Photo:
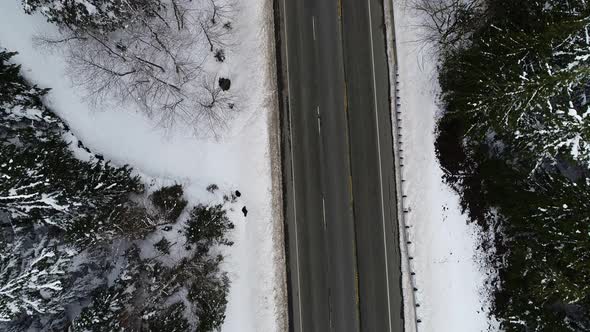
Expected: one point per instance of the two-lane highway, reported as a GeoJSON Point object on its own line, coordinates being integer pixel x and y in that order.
{"type": "Point", "coordinates": [338, 167]}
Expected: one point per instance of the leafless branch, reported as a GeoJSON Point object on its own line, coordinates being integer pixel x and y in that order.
{"type": "Point", "coordinates": [448, 23]}
{"type": "Point", "coordinates": [156, 63]}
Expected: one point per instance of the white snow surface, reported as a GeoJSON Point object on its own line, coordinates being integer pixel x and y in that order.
{"type": "Point", "coordinates": [450, 273]}
{"type": "Point", "coordinates": [241, 159]}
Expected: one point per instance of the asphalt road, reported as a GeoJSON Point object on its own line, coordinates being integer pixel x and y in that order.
{"type": "Point", "coordinates": [343, 250]}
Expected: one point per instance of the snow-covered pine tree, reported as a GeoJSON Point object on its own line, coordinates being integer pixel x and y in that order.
{"type": "Point", "coordinates": [525, 79]}
{"type": "Point", "coordinates": [140, 296]}
{"type": "Point", "coordinates": [209, 296]}
{"type": "Point", "coordinates": [42, 181]}
{"type": "Point", "coordinates": [15, 90]}
{"type": "Point", "coordinates": [58, 218]}
{"type": "Point", "coordinates": [207, 226]}
{"type": "Point", "coordinates": [170, 201]}
{"type": "Point", "coordinates": [44, 193]}
{"type": "Point", "coordinates": [547, 274]}
{"type": "Point", "coordinates": [94, 16]}
{"type": "Point", "coordinates": [170, 319]}
{"type": "Point", "coordinates": [516, 134]}
{"type": "Point", "coordinates": [112, 307]}
{"type": "Point", "coordinates": [207, 290]}
{"type": "Point", "coordinates": [33, 277]}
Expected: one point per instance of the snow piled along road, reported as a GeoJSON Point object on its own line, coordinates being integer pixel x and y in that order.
{"type": "Point", "coordinates": [450, 274]}
{"type": "Point", "coordinates": [241, 160]}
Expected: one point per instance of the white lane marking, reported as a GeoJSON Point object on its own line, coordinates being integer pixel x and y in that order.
{"type": "Point", "coordinates": [380, 167]}
{"type": "Point", "coordinates": [319, 123]}
{"type": "Point", "coordinates": [293, 168]}
{"type": "Point", "coordinates": [324, 211]}
{"type": "Point", "coordinates": [313, 26]}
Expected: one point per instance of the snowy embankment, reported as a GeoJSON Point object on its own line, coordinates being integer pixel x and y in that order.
{"type": "Point", "coordinates": [450, 275]}
{"type": "Point", "coordinates": [242, 159]}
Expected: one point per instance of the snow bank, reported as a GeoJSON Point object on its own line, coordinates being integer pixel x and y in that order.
{"type": "Point", "coordinates": [241, 160]}
{"type": "Point", "coordinates": [449, 276]}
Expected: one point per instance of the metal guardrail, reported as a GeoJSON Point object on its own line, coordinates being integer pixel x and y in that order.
{"type": "Point", "coordinates": [409, 288]}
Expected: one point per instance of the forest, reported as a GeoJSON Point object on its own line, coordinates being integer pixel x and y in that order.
{"type": "Point", "coordinates": [88, 246]}
{"type": "Point", "coordinates": [514, 141]}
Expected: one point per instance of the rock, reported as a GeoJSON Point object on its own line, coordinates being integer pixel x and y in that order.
{"type": "Point", "coordinates": [224, 83]}
{"type": "Point", "coordinates": [219, 55]}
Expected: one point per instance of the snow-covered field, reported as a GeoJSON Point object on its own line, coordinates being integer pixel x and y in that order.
{"type": "Point", "coordinates": [242, 159]}
{"type": "Point", "coordinates": [449, 274]}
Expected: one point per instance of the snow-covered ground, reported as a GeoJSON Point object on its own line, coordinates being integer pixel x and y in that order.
{"type": "Point", "coordinates": [449, 274]}
{"type": "Point", "coordinates": [242, 159]}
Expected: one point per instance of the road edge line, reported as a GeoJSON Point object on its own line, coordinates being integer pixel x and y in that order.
{"type": "Point", "coordinates": [380, 165]}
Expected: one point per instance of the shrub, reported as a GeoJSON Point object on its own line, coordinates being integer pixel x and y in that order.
{"type": "Point", "coordinates": [212, 188]}
{"type": "Point", "coordinates": [170, 201]}
{"type": "Point", "coordinates": [163, 246]}
{"type": "Point", "coordinates": [206, 226]}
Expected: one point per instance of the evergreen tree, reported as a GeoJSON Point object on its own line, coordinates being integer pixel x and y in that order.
{"type": "Point", "coordinates": [41, 178]}
{"type": "Point", "coordinates": [171, 319]}
{"type": "Point", "coordinates": [63, 222]}
{"type": "Point", "coordinates": [207, 226]}
{"type": "Point", "coordinates": [515, 143]}
{"type": "Point", "coordinates": [32, 278]}
{"type": "Point", "coordinates": [548, 266]}
{"type": "Point", "coordinates": [110, 309]}
{"type": "Point", "coordinates": [524, 79]}
{"type": "Point", "coordinates": [207, 289]}
{"type": "Point", "coordinates": [95, 16]}
{"type": "Point", "coordinates": [15, 90]}
{"type": "Point", "coordinates": [170, 201]}
{"type": "Point", "coordinates": [138, 300]}
{"type": "Point", "coordinates": [46, 193]}
{"type": "Point", "coordinates": [209, 296]}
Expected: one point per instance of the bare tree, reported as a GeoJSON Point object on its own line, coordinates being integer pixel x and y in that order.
{"type": "Point", "coordinates": [216, 23]}
{"type": "Point", "coordinates": [156, 62]}
{"type": "Point", "coordinates": [448, 23]}
{"type": "Point", "coordinates": [216, 107]}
